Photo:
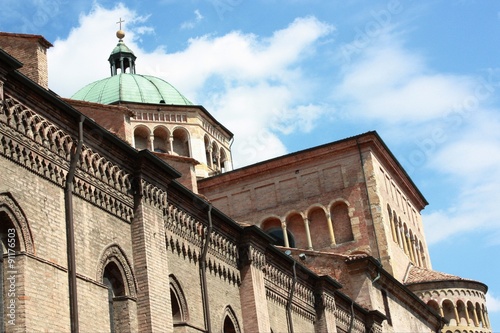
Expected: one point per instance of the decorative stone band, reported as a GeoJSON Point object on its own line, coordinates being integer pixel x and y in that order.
{"type": "Point", "coordinates": [344, 320]}
{"type": "Point", "coordinates": [38, 145]}
{"type": "Point", "coordinates": [185, 237]}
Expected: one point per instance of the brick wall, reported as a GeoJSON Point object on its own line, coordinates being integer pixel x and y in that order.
{"type": "Point", "coordinates": [31, 50]}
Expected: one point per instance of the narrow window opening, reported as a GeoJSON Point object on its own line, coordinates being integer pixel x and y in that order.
{"type": "Point", "coordinates": [113, 280]}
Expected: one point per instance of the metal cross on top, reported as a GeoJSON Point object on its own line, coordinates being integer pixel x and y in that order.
{"type": "Point", "coordinates": [120, 22]}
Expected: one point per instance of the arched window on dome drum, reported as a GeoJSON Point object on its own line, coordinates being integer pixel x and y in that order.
{"type": "Point", "coordinates": [181, 142]}
{"type": "Point", "coordinates": [223, 161]}
{"type": "Point", "coordinates": [208, 151]}
{"type": "Point", "coordinates": [161, 140]}
{"type": "Point", "coordinates": [141, 138]}
{"type": "Point", "coordinates": [215, 157]}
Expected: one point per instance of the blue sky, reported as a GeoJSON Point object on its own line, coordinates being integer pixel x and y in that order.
{"type": "Point", "coordinates": [289, 75]}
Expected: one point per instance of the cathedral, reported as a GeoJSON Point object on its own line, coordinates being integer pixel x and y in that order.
{"type": "Point", "coordinates": [120, 211]}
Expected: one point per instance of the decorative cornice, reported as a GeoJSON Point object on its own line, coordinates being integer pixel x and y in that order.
{"type": "Point", "coordinates": [40, 146]}
{"type": "Point", "coordinates": [185, 236]}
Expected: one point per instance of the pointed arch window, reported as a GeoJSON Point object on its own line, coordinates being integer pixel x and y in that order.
{"type": "Point", "coordinates": [178, 305]}
{"type": "Point", "coordinates": [114, 272]}
{"type": "Point", "coordinates": [113, 280]}
{"type": "Point", "coordinates": [230, 324]}
{"type": "Point", "coordinates": [15, 238]}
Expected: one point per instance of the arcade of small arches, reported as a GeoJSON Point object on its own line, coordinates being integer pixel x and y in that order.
{"type": "Point", "coordinates": [462, 313]}
{"type": "Point", "coordinates": [406, 239]}
{"type": "Point", "coordinates": [217, 158]}
{"type": "Point", "coordinates": [327, 226]}
{"type": "Point", "coordinates": [162, 140]}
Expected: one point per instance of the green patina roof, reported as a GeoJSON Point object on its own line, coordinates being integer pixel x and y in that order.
{"type": "Point", "coordinates": [127, 87]}
{"type": "Point", "coordinates": [121, 47]}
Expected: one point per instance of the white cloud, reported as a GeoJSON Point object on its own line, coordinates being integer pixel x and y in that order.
{"type": "Point", "coordinates": [81, 58]}
{"type": "Point", "coordinates": [388, 82]}
{"type": "Point", "coordinates": [194, 22]}
{"type": "Point", "coordinates": [254, 85]}
{"type": "Point", "coordinates": [444, 119]}
{"type": "Point", "coordinates": [471, 157]}
{"type": "Point", "coordinates": [493, 303]}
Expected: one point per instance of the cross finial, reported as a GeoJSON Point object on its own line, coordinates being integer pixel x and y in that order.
{"type": "Point", "coordinates": [120, 23]}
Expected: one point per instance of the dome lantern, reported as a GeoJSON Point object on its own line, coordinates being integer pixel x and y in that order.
{"type": "Point", "coordinates": [121, 58]}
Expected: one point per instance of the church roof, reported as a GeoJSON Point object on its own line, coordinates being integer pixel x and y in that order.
{"type": "Point", "coordinates": [420, 275]}
{"type": "Point", "coordinates": [127, 87]}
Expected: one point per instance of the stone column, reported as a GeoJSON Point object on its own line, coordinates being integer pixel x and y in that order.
{"type": "Point", "coordinates": [482, 316]}
{"type": "Point", "coordinates": [285, 234]}
{"type": "Point", "coordinates": [405, 243]}
{"type": "Point", "coordinates": [476, 320]}
{"type": "Point", "coordinates": [308, 234]}
{"type": "Point", "coordinates": [487, 318]}
{"type": "Point", "coordinates": [467, 315]}
{"type": "Point", "coordinates": [413, 250]}
{"type": "Point", "coordinates": [393, 229]}
{"type": "Point", "coordinates": [400, 242]}
{"type": "Point", "coordinates": [210, 157]}
{"type": "Point", "coordinates": [217, 158]}
{"type": "Point", "coordinates": [457, 318]}
{"type": "Point", "coordinates": [171, 143]}
{"type": "Point", "coordinates": [152, 142]}
{"type": "Point", "coordinates": [330, 229]}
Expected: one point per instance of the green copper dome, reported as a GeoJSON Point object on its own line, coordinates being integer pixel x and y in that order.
{"type": "Point", "coordinates": [127, 87]}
